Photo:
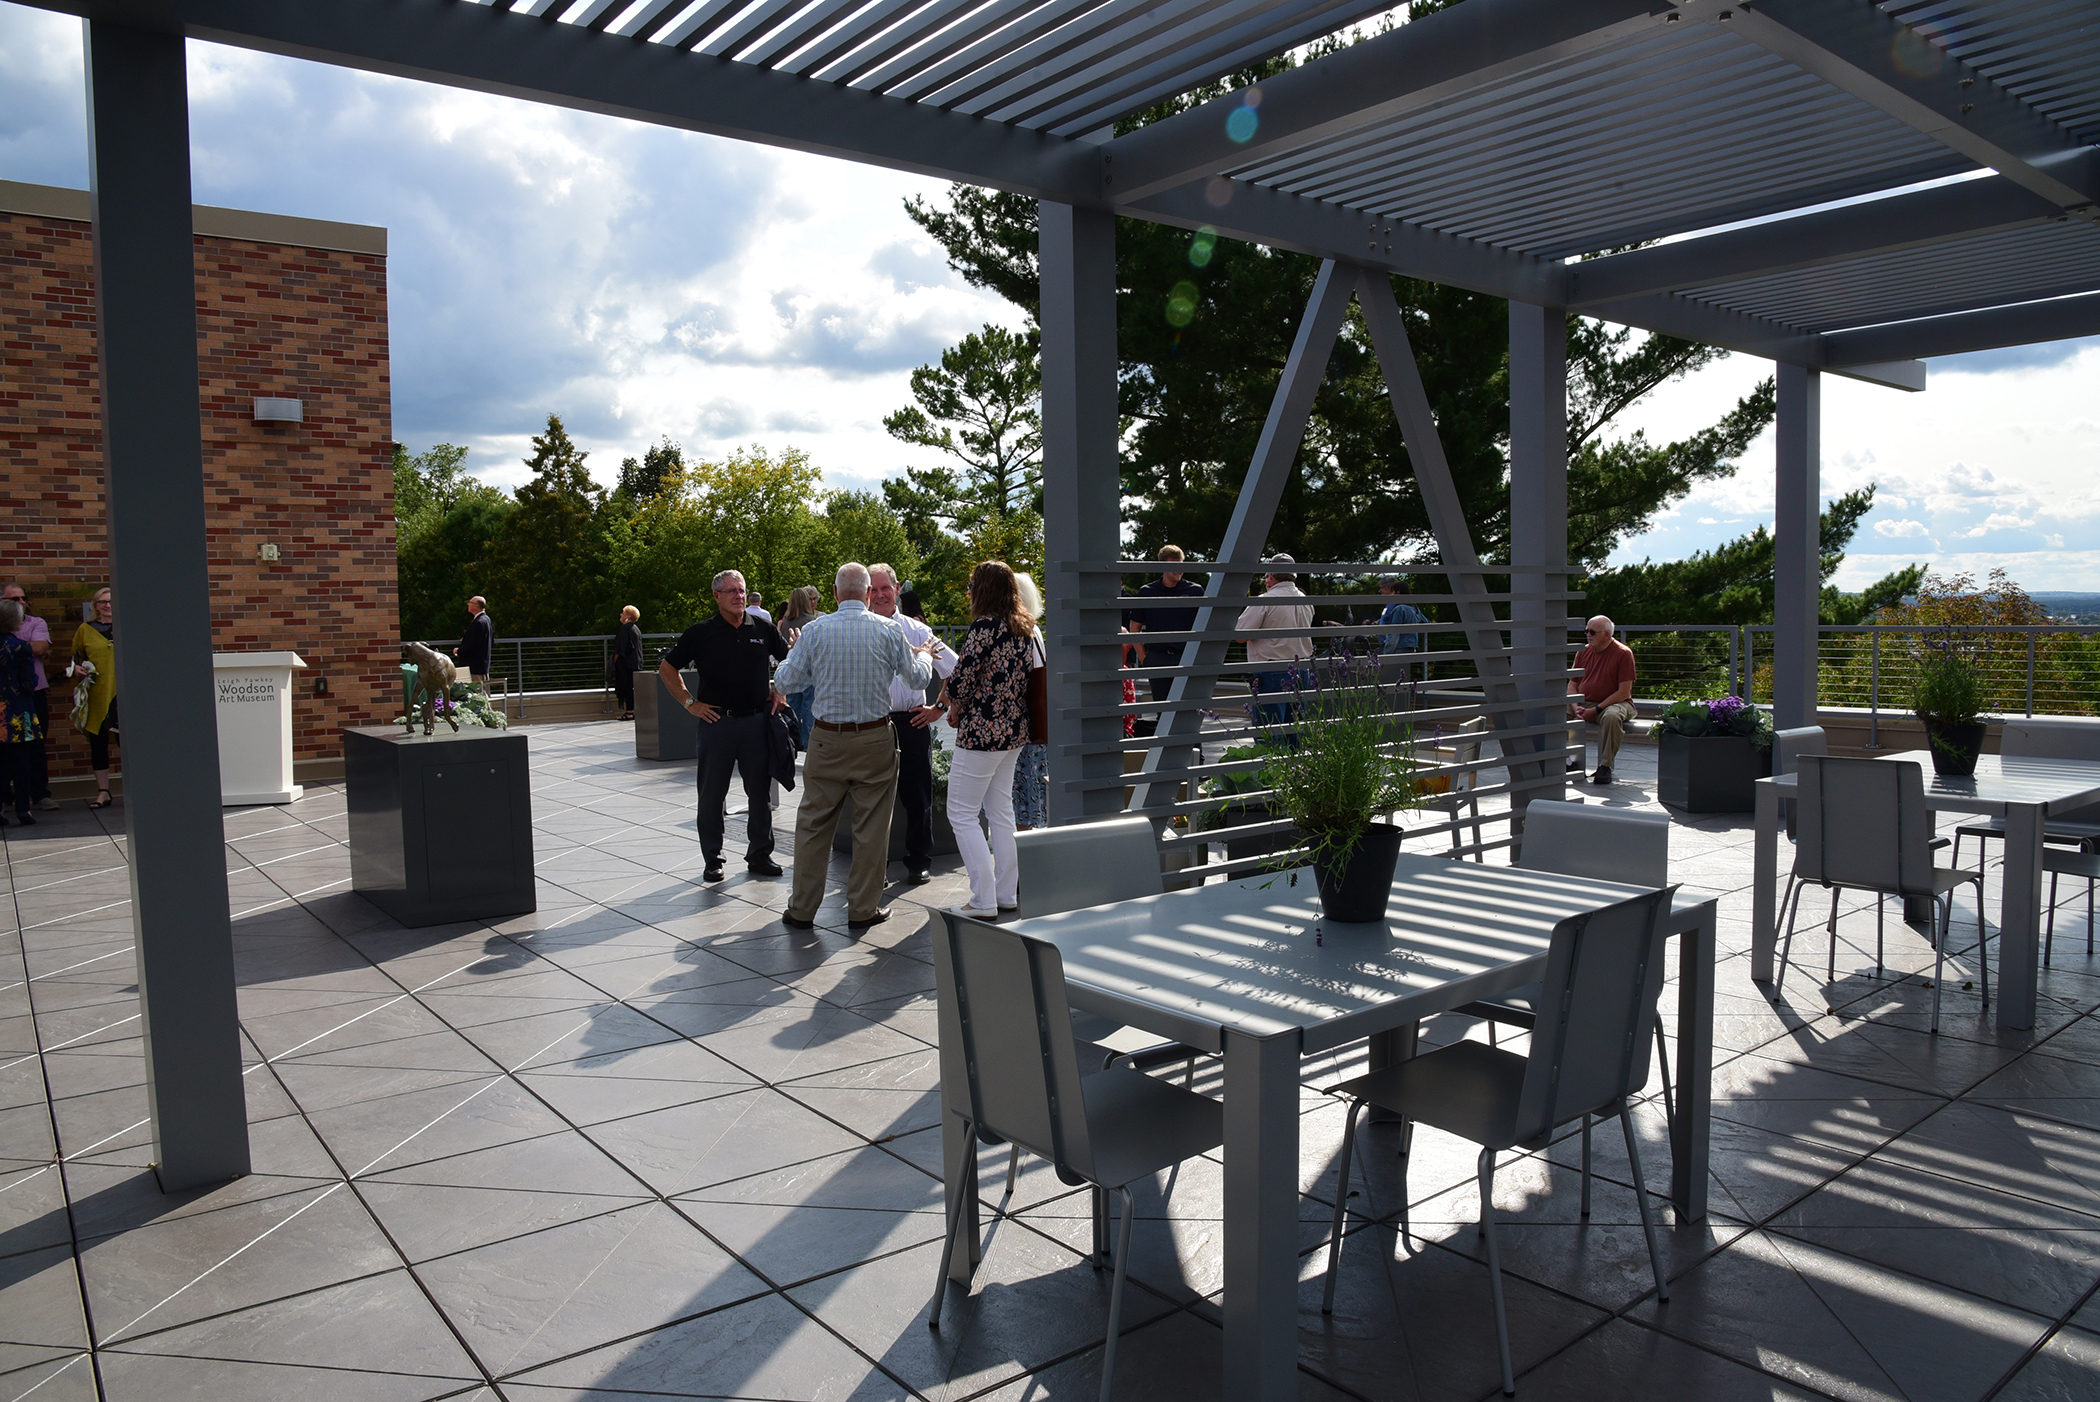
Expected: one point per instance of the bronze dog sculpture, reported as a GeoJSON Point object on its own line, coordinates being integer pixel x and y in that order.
{"type": "Point", "coordinates": [431, 688]}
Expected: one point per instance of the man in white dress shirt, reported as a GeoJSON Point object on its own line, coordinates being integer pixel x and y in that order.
{"type": "Point", "coordinates": [1275, 610]}
{"type": "Point", "coordinates": [912, 720]}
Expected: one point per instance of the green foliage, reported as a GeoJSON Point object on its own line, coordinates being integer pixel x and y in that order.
{"type": "Point", "coordinates": [546, 567]}
{"type": "Point", "coordinates": [649, 478]}
{"type": "Point", "coordinates": [445, 522]}
{"type": "Point", "coordinates": [1733, 582]}
{"type": "Point", "coordinates": [1720, 715]}
{"type": "Point", "coordinates": [1949, 689]}
{"type": "Point", "coordinates": [982, 405]}
{"type": "Point", "coordinates": [1347, 760]}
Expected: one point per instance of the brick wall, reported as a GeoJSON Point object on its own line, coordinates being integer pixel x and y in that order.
{"type": "Point", "coordinates": [275, 318]}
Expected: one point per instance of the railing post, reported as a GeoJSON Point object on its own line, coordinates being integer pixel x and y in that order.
{"type": "Point", "coordinates": [518, 647]}
{"type": "Point", "coordinates": [1750, 664]}
{"type": "Point", "coordinates": [1735, 641]}
{"type": "Point", "coordinates": [2030, 669]}
{"type": "Point", "coordinates": [1874, 693]}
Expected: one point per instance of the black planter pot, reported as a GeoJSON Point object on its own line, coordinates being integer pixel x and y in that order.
{"type": "Point", "coordinates": [1954, 747]}
{"type": "Point", "coordinates": [1709, 773]}
{"type": "Point", "coordinates": [1357, 893]}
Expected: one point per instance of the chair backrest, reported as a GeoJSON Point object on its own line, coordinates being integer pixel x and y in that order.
{"type": "Point", "coordinates": [1015, 1025]}
{"type": "Point", "coordinates": [1605, 844]}
{"type": "Point", "coordinates": [1863, 823]}
{"type": "Point", "coordinates": [1085, 864]}
{"type": "Point", "coordinates": [2059, 737]}
{"type": "Point", "coordinates": [1789, 745]}
{"type": "Point", "coordinates": [1596, 1012]}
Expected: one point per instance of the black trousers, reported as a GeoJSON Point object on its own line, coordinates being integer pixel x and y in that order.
{"type": "Point", "coordinates": [623, 685]}
{"type": "Point", "coordinates": [915, 788]}
{"type": "Point", "coordinates": [742, 745]}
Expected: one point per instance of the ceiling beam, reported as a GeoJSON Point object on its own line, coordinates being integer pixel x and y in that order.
{"type": "Point", "coordinates": [1812, 240]}
{"type": "Point", "coordinates": [514, 54]}
{"type": "Point", "coordinates": [1856, 47]}
{"type": "Point", "coordinates": [1992, 329]}
{"type": "Point", "coordinates": [1419, 63]}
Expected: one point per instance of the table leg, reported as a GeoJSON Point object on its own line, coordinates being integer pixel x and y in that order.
{"type": "Point", "coordinates": [1261, 1218]}
{"type": "Point", "coordinates": [1764, 877]}
{"type": "Point", "coordinates": [1387, 1049]}
{"type": "Point", "coordinates": [1692, 1129]}
{"type": "Point", "coordinates": [2020, 916]}
{"type": "Point", "coordinates": [958, 1149]}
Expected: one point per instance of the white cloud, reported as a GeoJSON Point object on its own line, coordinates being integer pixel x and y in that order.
{"type": "Point", "coordinates": [1901, 530]}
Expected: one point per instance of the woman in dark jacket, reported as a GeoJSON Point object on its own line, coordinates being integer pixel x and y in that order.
{"type": "Point", "coordinates": [21, 732]}
{"type": "Point", "coordinates": [627, 658]}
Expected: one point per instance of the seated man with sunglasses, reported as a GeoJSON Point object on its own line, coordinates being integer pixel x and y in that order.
{"type": "Point", "coordinates": [1605, 692]}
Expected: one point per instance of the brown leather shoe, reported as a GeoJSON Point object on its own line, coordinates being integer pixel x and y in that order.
{"type": "Point", "coordinates": [861, 922]}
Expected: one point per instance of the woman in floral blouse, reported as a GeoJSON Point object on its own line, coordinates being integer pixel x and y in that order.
{"type": "Point", "coordinates": [988, 706]}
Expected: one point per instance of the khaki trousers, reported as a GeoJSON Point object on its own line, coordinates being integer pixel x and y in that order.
{"type": "Point", "coordinates": [1612, 721]}
{"type": "Point", "coordinates": [862, 763]}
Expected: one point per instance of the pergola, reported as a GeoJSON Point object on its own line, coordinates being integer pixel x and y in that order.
{"type": "Point", "coordinates": [1839, 186]}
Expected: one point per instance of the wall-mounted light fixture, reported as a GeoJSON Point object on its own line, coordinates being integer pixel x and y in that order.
{"type": "Point", "coordinates": [280, 411]}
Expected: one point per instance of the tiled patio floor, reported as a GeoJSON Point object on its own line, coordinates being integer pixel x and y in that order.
{"type": "Point", "coordinates": [648, 1142]}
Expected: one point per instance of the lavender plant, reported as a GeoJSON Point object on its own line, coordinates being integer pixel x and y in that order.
{"type": "Point", "coordinates": [1345, 760]}
{"type": "Point", "coordinates": [1723, 715]}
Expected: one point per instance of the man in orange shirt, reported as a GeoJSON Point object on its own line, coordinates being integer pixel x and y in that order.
{"type": "Point", "coordinates": [1605, 692]}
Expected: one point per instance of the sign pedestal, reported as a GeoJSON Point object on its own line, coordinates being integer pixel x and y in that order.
{"type": "Point", "coordinates": [254, 691]}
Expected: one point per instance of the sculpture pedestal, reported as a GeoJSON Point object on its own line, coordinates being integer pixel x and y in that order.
{"type": "Point", "coordinates": [254, 691]}
{"type": "Point", "coordinates": [440, 827]}
{"type": "Point", "coordinates": [663, 729]}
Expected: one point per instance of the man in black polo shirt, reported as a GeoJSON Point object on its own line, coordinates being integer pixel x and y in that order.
{"type": "Point", "coordinates": [731, 652]}
{"type": "Point", "coordinates": [1155, 619]}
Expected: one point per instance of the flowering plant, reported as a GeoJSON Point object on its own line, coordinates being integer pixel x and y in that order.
{"type": "Point", "coordinates": [1723, 715]}
{"type": "Point", "coordinates": [1344, 759]}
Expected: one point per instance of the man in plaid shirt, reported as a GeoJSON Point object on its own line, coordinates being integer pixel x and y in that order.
{"type": "Point", "coordinates": [850, 657]}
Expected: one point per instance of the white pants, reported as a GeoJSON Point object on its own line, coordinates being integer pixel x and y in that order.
{"type": "Point", "coordinates": [983, 781]}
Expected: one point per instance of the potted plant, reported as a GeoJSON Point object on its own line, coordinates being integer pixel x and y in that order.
{"type": "Point", "coordinates": [1949, 698]}
{"type": "Point", "coordinates": [1343, 763]}
{"type": "Point", "coordinates": [1710, 754]}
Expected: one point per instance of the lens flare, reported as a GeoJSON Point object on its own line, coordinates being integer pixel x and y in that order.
{"type": "Point", "coordinates": [1240, 126]}
{"type": "Point", "coordinates": [1203, 246]}
{"type": "Point", "coordinates": [1181, 304]}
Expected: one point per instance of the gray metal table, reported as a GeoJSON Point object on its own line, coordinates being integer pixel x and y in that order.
{"type": "Point", "coordinates": [1236, 968]}
{"type": "Point", "coordinates": [2022, 791]}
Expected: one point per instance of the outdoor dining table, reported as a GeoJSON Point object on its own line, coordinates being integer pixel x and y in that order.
{"type": "Point", "coordinates": [2022, 791]}
{"type": "Point", "coordinates": [1246, 968]}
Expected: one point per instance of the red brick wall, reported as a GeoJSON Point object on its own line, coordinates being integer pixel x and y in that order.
{"type": "Point", "coordinates": [273, 320]}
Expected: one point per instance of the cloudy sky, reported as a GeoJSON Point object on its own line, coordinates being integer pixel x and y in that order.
{"type": "Point", "coordinates": [643, 282]}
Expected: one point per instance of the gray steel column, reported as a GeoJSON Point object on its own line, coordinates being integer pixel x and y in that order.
{"type": "Point", "coordinates": [153, 479]}
{"type": "Point", "coordinates": [1538, 505]}
{"type": "Point", "coordinates": [1797, 537]}
{"type": "Point", "coordinates": [1082, 497]}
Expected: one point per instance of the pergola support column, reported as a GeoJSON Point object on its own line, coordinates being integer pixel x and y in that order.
{"type": "Point", "coordinates": [1797, 539]}
{"type": "Point", "coordinates": [153, 481]}
{"type": "Point", "coordinates": [1538, 507]}
{"type": "Point", "coordinates": [1082, 497]}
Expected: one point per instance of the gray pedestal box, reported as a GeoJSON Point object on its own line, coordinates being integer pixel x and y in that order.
{"type": "Point", "coordinates": [663, 729]}
{"type": "Point", "coordinates": [440, 827]}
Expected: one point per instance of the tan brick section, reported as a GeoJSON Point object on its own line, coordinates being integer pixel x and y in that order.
{"type": "Point", "coordinates": [286, 308]}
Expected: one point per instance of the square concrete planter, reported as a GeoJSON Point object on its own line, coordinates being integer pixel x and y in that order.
{"type": "Point", "coordinates": [1709, 773]}
{"type": "Point", "coordinates": [440, 827]}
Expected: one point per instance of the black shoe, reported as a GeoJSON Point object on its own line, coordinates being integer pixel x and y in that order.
{"type": "Point", "coordinates": [919, 876]}
{"type": "Point", "coordinates": [714, 871]}
{"type": "Point", "coordinates": [864, 921]}
{"type": "Point", "coordinates": [26, 818]}
{"type": "Point", "coordinates": [1574, 766]}
{"type": "Point", "coordinates": [760, 866]}
{"type": "Point", "coordinates": [1602, 776]}
{"type": "Point", "coordinates": [796, 922]}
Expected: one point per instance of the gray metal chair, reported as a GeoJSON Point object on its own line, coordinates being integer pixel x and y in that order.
{"type": "Point", "coordinates": [2053, 738]}
{"type": "Point", "coordinates": [2082, 863]}
{"type": "Point", "coordinates": [1787, 748]}
{"type": "Point", "coordinates": [1864, 827]}
{"type": "Point", "coordinates": [1588, 1057]}
{"type": "Point", "coordinates": [1605, 844]}
{"type": "Point", "coordinates": [1463, 793]}
{"type": "Point", "coordinates": [1106, 1128]}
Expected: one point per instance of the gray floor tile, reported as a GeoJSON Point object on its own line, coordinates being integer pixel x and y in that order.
{"type": "Point", "coordinates": [1626, 1360]}
{"type": "Point", "coordinates": [2066, 1370]}
{"type": "Point", "coordinates": [575, 1287]}
{"type": "Point", "coordinates": [40, 1299]}
{"type": "Point", "coordinates": [69, 1378]}
{"type": "Point", "coordinates": [712, 1141]}
{"type": "Point", "coordinates": [765, 1348]}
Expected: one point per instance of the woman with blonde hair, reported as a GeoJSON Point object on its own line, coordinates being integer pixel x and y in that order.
{"type": "Point", "coordinates": [627, 658]}
{"type": "Point", "coordinates": [1032, 769]}
{"type": "Point", "coordinates": [988, 706]}
{"type": "Point", "coordinates": [95, 664]}
{"type": "Point", "coordinates": [803, 605]}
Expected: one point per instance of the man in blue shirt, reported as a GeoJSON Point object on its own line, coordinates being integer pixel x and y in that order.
{"type": "Point", "coordinates": [850, 657]}
{"type": "Point", "coordinates": [1399, 611]}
